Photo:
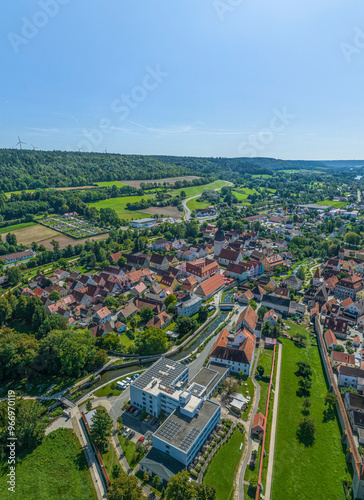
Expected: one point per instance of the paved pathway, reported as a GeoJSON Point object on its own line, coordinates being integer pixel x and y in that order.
{"type": "Point", "coordinates": [249, 430]}
{"type": "Point", "coordinates": [93, 466]}
{"type": "Point", "coordinates": [268, 486]}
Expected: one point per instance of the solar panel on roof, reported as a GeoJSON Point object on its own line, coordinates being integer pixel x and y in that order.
{"type": "Point", "coordinates": [190, 439]}
{"type": "Point", "coordinates": [169, 429]}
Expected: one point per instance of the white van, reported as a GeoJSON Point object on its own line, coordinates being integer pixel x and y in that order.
{"type": "Point", "coordinates": [120, 385]}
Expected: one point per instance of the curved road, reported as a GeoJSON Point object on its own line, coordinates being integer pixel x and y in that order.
{"type": "Point", "coordinates": [187, 215]}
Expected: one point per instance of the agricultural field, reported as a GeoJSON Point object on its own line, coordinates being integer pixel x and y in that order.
{"type": "Point", "coordinates": [170, 180]}
{"type": "Point", "coordinates": [306, 479]}
{"type": "Point", "coordinates": [31, 232]}
{"type": "Point", "coordinates": [55, 469]}
{"type": "Point", "coordinates": [15, 227]}
{"type": "Point", "coordinates": [335, 204]}
{"type": "Point", "coordinates": [73, 226]}
{"type": "Point", "coordinates": [164, 211]}
{"type": "Point", "coordinates": [118, 184]}
{"type": "Point", "coordinates": [64, 240]}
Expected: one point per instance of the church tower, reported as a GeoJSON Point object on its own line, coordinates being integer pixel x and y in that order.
{"type": "Point", "coordinates": [219, 242]}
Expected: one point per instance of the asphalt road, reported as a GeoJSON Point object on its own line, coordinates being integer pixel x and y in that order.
{"type": "Point", "coordinates": [184, 202]}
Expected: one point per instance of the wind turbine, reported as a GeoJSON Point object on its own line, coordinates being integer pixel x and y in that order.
{"type": "Point", "coordinates": [19, 143]}
{"type": "Point", "coordinates": [79, 149]}
{"type": "Point", "coordinates": [34, 148]}
{"type": "Point", "coordinates": [105, 151]}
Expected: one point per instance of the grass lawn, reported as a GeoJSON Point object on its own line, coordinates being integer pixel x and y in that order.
{"type": "Point", "coordinates": [306, 472]}
{"type": "Point", "coordinates": [9, 229]}
{"type": "Point", "coordinates": [110, 183]}
{"type": "Point", "coordinates": [266, 360]}
{"type": "Point", "coordinates": [243, 196]}
{"type": "Point", "coordinates": [56, 469]}
{"type": "Point", "coordinates": [195, 190]}
{"type": "Point", "coordinates": [302, 329]}
{"type": "Point", "coordinates": [221, 471]}
{"type": "Point", "coordinates": [129, 450]}
{"type": "Point", "coordinates": [108, 391]}
{"type": "Point", "coordinates": [247, 390]}
{"type": "Point", "coordinates": [119, 205]}
{"type": "Point", "coordinates": [335, 204]}
{"type": "Point", "coordinates": [126, 340]}
{"type": "Point", "coordinates": [110, 458]}
{"type": "Point", "coordinates": [195, 204]}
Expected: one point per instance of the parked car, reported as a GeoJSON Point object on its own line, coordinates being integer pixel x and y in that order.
{"type": "Point", "coordinates": [132, 410]}
{"type": "Point", "coordinates": [136, 412]}
{"type": "Point", "coordinates": [128, 379]}
{"type": "Point", "coordinates": [128, 408]}
{"type": "Point", "coordinates": [126, 432]}
{"type": "Point", "coordinates": [141, 439]}
{"type": "Point", "coordinates": [136, 375]}
{"type": "Point", "coordinates": [132, 434]}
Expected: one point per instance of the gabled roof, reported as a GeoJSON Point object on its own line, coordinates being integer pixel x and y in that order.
{"type": "Point", "coordinates": [249, 316]}
{"type": "Point", "coordinates": [330, 337]}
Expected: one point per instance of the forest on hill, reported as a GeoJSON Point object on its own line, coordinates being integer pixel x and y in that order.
{"type": "Point", "coordinates": [25, 169]}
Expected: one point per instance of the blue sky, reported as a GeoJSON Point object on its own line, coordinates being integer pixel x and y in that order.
{"type": "Point", "coordinates": [196, 78]}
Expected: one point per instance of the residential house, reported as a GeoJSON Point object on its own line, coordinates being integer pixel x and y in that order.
{"type": "Point", "coordinates": [349, 286]}
{"type": "Point", "coordinates": [160, 244]}
{"type": "Point", "coordinates": [342, 358]}
{"type": "Point", "coordinates": [189, 304]}
{"type": "Point", "coordinates": [271, 316]}
{"type": "Point", "coordinates": [330, 339]}
{"type": "Point", "coordinates": [159, 262]}
{"type": "Point", "coordinates": [351, 377]}
{"type": "Point", "coordinates": [227, 256]}
{"type": "Point", "coordinates": [293, 282]}
{"type": "Point", "coordinates": [338, 325]}
{"type": "Point", "coordinates": [102, 315]}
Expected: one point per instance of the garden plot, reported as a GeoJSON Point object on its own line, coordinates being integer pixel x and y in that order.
{"type": "Point", "coordinates": [73, 226]}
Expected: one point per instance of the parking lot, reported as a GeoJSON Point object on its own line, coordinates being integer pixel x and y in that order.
{"type": "Point", "coordinates": [140, 427]}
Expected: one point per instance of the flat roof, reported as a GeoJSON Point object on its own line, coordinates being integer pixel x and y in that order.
{"type": "Point", "coordinates": [164, 371]}
{"type": "Point", "coordinates": [207, 377]}
{"type": "Point", "coordinates": [181, 431]}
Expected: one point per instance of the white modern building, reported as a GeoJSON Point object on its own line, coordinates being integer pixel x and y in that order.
{"type": "Point", "coordinates": [186, 429]}
{"type": "Point", "coordinates": [159, 388]}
